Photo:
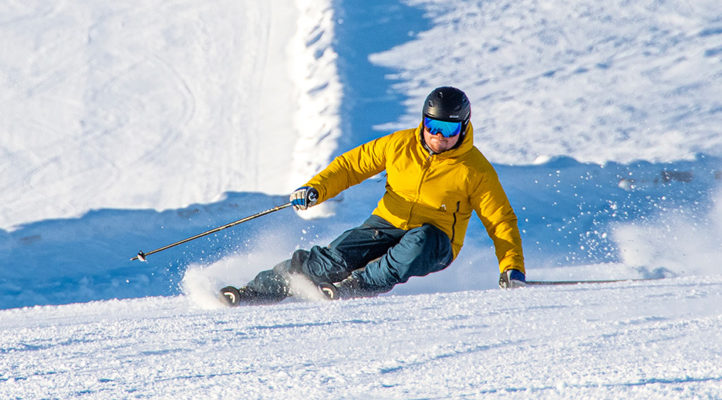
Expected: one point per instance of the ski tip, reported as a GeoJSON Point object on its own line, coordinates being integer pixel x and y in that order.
{"type": "Point", "coordinates": [230, 296]}
{"type": "Point", "coordinates": [328, 290]}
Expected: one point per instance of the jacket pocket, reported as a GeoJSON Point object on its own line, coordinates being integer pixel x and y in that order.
{"type": "Point", "coordinates": [453, 224]}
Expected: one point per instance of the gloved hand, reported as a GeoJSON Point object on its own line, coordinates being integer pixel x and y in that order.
{"type": "Point", "coordinates": [512, 278]}
{"type": "Point", "coordinates": [304, 197]}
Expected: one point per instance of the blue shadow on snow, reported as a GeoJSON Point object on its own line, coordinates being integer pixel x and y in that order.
{"type": "Point", "coordinates": [566, 210]}
{"type": "Point", "coordinates": [364, 28]}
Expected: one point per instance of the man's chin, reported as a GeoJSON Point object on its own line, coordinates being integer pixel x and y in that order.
{"type": "Point", "coordinates": [437, 148]}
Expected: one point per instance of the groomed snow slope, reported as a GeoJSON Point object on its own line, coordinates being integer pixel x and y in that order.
{"type": "Point", "coordinates": [636, 340]}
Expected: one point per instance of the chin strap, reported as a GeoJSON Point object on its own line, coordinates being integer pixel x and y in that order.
{"type": "Point", "coordinates": [426, 146]}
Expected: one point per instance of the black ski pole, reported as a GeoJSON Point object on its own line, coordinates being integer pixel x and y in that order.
{"type": "Point", "coordinates": [556, 283]}
{"type": "Point", "coordinates": [141, 255]}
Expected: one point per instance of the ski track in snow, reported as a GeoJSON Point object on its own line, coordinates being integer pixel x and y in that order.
{"type": "Point", "coordinates": [632, 340]}
{"type": "Point", "coordinates": [160, 105]}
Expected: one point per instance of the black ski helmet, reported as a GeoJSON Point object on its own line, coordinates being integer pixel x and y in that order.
{"type": "Point", "coordinates": [448, 103]}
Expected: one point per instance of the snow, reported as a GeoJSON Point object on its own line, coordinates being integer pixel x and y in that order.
{"type": "Point", "coordinates": [129, 126]}
{"type": "Point", "coordinates": [628, 340]}
{"type": "Point", "coordinates": [160, 105]}
{"type": "Point", "coordinates": [598, 82]}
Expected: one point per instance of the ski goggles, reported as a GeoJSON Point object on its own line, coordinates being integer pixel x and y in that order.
{"type": "Point", "coordinates": [445, 128]}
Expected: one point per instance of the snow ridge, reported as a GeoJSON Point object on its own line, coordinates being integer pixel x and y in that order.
{"type": "Point", "coordinates": [318, 90]}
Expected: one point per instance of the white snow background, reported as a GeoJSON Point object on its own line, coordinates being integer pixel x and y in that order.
{"type": "Point", "coordinates": [129, 125]}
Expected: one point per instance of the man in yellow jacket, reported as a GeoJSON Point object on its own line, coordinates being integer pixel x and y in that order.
{"type": "Point", "coordinates": [435, 179]}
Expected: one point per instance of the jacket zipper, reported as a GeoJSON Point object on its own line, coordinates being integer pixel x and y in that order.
{"type": "Point", "coordinates": [453, 226]}
{"type": "Point", "coordinates": [426, 166]}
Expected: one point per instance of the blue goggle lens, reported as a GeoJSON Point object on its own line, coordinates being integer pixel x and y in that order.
{"type": "Point", "coordinates": [445, 128]}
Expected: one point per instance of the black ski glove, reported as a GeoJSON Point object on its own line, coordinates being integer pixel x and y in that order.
{"type": "Point", "coordinates": [512, 278]}
{"type": "Point", "coordinates": [304, 197]}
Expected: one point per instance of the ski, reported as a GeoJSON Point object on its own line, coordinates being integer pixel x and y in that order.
{"type": "Point", "coordinates": [234, 297]}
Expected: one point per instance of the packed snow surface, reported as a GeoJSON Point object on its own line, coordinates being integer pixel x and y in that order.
{"type": "Point", "coordinates": [129, 125]}
{"type": "Point", "coordinates": [634, 340]}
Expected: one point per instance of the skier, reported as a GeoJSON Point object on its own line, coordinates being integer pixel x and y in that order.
{"type": "Point", "coordinates": [435, 179]}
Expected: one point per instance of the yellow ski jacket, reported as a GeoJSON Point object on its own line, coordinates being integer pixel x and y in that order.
{"type": "Point", "coordinates": [439, 189]}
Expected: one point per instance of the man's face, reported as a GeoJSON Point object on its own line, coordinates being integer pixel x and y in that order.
{"type": "Point", "coordinates": [438, 143]}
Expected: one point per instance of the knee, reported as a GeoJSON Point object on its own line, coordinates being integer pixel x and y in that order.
{"type": "Point", "coordinates": [294, 265]}
{"type": "Point", "coordinates": [425, 249]}
{"type": "Point", "coordinates": [421, 251]}
{"type": "Point", "coordinates": [431, 240]}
